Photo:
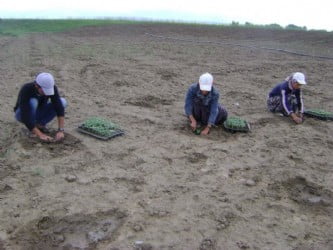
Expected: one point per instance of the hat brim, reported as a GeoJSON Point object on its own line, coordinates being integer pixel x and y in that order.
{"type": "Point", "coordinates": [301, 82]}
{"type": "Point", "coordinates": [48, 91]}
{"type": "Point", "coordinates": [205, 88]}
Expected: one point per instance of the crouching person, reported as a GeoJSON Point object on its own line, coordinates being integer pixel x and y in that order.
{"type": "Point", "coordinates": [286, 97]}
{"type": "Point", "coordinates": [38, 103]}
{"type": "Point", "coordinates": [202, 105]}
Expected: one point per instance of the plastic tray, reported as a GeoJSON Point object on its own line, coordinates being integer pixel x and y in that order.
{"type": "Point", "coordinates": [117, 132]}
{"type": "Point", "coordinates": [312, 113]}
{"type": "Point", "coordinates": [234, 130]}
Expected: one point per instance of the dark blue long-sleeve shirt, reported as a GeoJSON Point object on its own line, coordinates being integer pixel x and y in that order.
{"type": "Point", "coordinates": [210, 100]}
{"type": "Point", "coordinates": [29, 91]}
{"type": "Point", "coordinates": [283, 90]}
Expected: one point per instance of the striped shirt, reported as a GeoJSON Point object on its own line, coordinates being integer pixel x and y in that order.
{"type": "Point", "coordinates": [285, 89]}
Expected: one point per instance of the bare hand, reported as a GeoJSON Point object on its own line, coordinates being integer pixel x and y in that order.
{"type": "Point", "coordinates": [205, 131]}
{"type": "Point", "coordinates": [59, 136]}
{"type": "Point", "coordinates": [296, 119]}
{"type": "Point", "coordinates": [193, 124]}
{"type": "Point", "coordinates": [45, 137]}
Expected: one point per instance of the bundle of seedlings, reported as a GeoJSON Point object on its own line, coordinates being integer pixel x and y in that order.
{"type": "Point", "coordinates": [236, 124]}
{"type": "Point", "coordinates": [319, 114]}
{"type": "Point", "coordinates": [100, 128]}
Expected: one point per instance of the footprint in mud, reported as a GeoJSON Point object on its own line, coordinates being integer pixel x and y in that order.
{"type": "Point", "coordinates": [196, 157]}
{"type": "Point", "coordinates": [69, 145]}
{"type": "Point", "coordinates": [207, 244]}
{"type": "Point", "coordinates": [166, 74]}
{"type": "Point", "coordinates": [149, 101]}
{"type": "Point", "coordinates": [305, 193]}
{"type": "Point", "coordinates": [133, 184]}
{"type": "Point", "coordinates": [120, 83]}
{"type": "Point", "coordinates": [86, 68]}
{"type": "Point", "coordinates": [261, 122]}
{"type": "Point", "coordinates": [80, 231]}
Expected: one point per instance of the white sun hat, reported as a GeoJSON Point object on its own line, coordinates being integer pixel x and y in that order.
{"type": "Point", "coordinates": [206, 82]}
{"type": "Point", "coordinates": [46, 82]}
{"type": "Point", "coordinates": [299, 78]}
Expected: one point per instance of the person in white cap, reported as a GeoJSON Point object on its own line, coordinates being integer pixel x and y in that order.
{"type": "Point", "coordinates": [38, 103]}
{"type": "Point", "coordinates": [286, 97]}
{"type": "Point", "coordinates": [202, 105]}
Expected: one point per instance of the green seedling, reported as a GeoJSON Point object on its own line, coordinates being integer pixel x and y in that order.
{"type": "Point", "coordinates": [235, 124]}
{"type": "Point", "coordinates": [197, 131]}
{"type": "Point", "coordinates": [319, 114]}
{"type": "Point", "coordinates": [99, 126]}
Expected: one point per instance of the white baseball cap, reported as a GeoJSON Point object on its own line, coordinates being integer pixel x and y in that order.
{"type": "Point", "coordinates": [206, 82]}
{"type": "Point", "coordinates": [46, 82]}
{"type": "Point", "coordinates": [299, 78]}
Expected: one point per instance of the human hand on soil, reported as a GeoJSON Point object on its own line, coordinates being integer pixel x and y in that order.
{"type": "Point", "coordinates": [44, 137]}
{"type": "Point", "coordinates": [193, 123]}
{"type": "Point", "coordinates": [41, 135]}
{"type": "Point", "coordinates": [59, 136]}
{"type": "Point", "coordinates": [296, 118]}
{"type": "Point", "coordinates": [205, 131]}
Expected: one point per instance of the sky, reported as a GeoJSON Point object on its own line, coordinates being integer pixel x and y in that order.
{"type": "Point", "coordinates": [312, 14]}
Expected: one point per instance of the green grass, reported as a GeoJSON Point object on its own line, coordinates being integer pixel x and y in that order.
{"type": "Point", "coordinates": [17, 27]}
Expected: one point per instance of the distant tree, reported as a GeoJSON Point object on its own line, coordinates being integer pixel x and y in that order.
{"type": "Point", "coordinates": [248, 24]}
{"type": "Point", "coordinates": [274, 26]}
{"type": "Point", "coordinates": [234, 23]}
{"type": "Point", "coordinates": [295, 27]}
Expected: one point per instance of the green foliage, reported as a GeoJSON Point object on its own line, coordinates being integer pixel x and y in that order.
{"type": "Point", "coordinates": [295, 27]}
{"type": "Point", "coordinates": [319, 113]}
{"type": "Point", "coordinates": [99, 126]}
{"type": "Point", "coordinates": [235, 122]}
{"type": "Point", "coordinates": [197, 131]}
{"type": "Point", "coordinates": [17, 27]}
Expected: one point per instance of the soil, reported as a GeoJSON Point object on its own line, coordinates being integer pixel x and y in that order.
{"type": "Point", "coordinates": [160, 186]}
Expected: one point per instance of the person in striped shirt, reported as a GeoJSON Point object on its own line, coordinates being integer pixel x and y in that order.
{"type": "Point", "coordinates": [286, 97]}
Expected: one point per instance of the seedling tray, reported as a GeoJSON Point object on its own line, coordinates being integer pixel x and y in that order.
{"type": "Point", "coordinates": [114, 133]}
{"type": "Point", "coordinates": [100, 128]}
{"type": "Point", "coordinates": [319, 114]}
{"type": "Point", "coordinates": [236, 124]}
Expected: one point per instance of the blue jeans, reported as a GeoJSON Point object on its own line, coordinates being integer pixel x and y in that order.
{"type": "Point", "coordinates": [201, 114]}
{"type": "Point", "coordinates": [42, 114]}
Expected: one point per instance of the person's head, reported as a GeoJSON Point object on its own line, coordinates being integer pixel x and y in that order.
{"type": "Point", "coordinates": [298, 80]}
{"type": "Point", "coordinates": [206, 83]}
{"type": "Point", "coordinates": [45, 83]}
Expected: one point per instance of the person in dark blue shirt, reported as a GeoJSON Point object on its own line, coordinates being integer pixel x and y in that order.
{"type": "Point", "coordinates": [201, 104]}
{"type": "Point", "coordinates": [38, 103]}
{"type": "Point", "coordinates": [286, 97]}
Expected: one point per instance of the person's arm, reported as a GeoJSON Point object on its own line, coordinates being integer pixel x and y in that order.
{"type": "Point", "coordinates": [296, 118]}
{"type": "Point", "coordinates": [41, 135]}
{"type": "Point", "coordinates": [61, 131]}
{"type": "Point", "coordinates": [60, 110]}
{"type": "Point", "coordinates": [57, 104]}
{"type": "Point", "coordinates": [299, 99]}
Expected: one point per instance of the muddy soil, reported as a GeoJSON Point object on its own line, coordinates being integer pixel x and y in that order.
{"type": "Point", "coordinates": [160, 186]}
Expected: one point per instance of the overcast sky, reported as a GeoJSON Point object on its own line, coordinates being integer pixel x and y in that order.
{"type": "Point", "coordinates": [312, 14]}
